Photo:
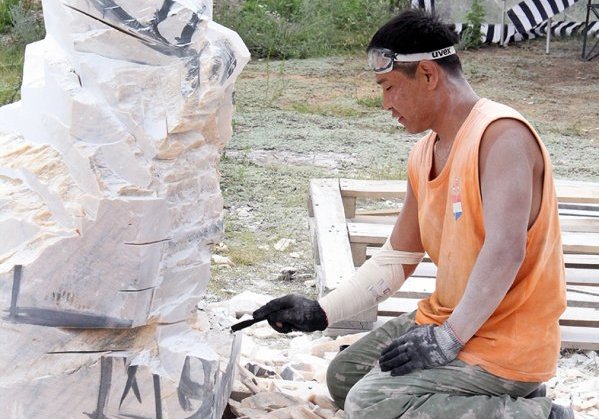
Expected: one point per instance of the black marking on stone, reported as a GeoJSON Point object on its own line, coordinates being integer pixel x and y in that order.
{"type": "Point", "coordinates": [188, 31]}
{"type": "Point", "coordinates": [74, 319]}
{"type": "Point", "coordinates": [157, 396]}
{"type": "Point", "coordinates": [16, 288]}
{"type": "Point", "coordinates": [162, 13]}
{"type": "Point", "coordinates": [131, 384]}
{"type": "Point", "coordinates": [147, 37]}
{"type": "Point", "coordinates": [147, 243]}
{"type": "Point", "coordinates": [111, 8]}
{"type": "Point", "coordinates": [187, 389]}
{"type": "Point", "coordinates": [84, 352]}
{"type": "Point", "coordinates": [139, 290]}
{"type": "Point", "coordinates": [104, 390]}
{"type": "Point", "coordinates": [150, 35]}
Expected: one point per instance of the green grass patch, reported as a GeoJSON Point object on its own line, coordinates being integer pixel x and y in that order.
{"type": "Point", "coordinates": [371, 102]}
{"type": "Point", "coordinates": [326, 109]}
{"type": "Point", "coordinates": [5, 16]}
{"type": "Point", "coordinates": [11, 70]}
{"type": "Point", "coordinates": [243, 248]}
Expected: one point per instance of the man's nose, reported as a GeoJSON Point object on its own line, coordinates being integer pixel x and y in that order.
{"type": "Point", "coordinates": [386, 102]}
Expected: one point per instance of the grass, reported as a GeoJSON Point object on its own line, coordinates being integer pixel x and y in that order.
{"type": "Point", "coordinates": [304, 28]}
{"type": "Point", "coordinates": [21, 22]}
{"type": "Point", "coordinates": [375, 102]}
{"type": "Point", "coordinates": [11, 70]}
{"type": "Point", "coordinates": [326, 109]}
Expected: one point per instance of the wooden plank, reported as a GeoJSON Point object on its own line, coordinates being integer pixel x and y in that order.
{"type": "Point", "coordinates": [582, 261]}
{"type": "Point", "coordinates": [349, 206]}
{"type": "Point", "coordinates": [573, 242]}
{"type": "Point", "coordinates": [579, 224]}
{"type": "Point", "coordinates": [585, 338]}
{"type": "Point", "coordinates": [568, 191]}
{"type": "Point", "coordinates": [577, 212]}
{"type": "Point", "coordinates": [574, 274]}
{"type": "Point", "coordinates": [422, 287]}
{"type": "Point", "coordinates": [387, 189]}
{"type": "Point", "coordinates": [572, 316]}
{"type": "Point", "coordinates": [588, 264]}
{"type": "Point", "coordinates": [331, 232]}
{"type": "Point", "coordinates": [586, 277]}
{"type": "Point", "coordinates": [567, 223]}
{"type": "Point", "coordinates": [577, 191]}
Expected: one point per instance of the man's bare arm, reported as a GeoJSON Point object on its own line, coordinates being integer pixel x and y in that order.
{"type": "Point", "coordinates": [406, 232]}
{"type": "Point", "coordinates": [511, 169]}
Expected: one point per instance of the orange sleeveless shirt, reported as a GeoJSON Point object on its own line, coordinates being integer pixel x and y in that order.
{"type": "Point", "coordinates": [521, 339]}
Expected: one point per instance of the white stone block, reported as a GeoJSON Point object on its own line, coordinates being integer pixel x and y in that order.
{"type": "Point", "coordinates": [116, 374]}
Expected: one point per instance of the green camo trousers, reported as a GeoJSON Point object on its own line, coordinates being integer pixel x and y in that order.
{"type": "Point", "coordinates": [454, 391]}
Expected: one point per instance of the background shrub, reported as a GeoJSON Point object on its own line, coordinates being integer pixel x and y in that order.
{"type": "Point", "coordinates": [305, 28]}
{"type": "Point", "coordinates": [5, 19]}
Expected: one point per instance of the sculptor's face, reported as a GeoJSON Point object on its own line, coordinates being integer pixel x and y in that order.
{"type": "Point", "coordinates": [404, 97]}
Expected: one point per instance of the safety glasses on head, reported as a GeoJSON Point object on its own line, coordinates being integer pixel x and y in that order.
{"type": "Point", "coordinates": [381, 60]}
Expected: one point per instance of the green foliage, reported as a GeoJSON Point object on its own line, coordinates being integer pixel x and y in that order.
{"type": "Point", "coordinates": [27, 24]}
{"type": "Point", "coordinates": [21, 22]}
{"type": "Point", "coordinates": [304, 28]}
{"type": "Point", "coordinates": [471, 37]}
{"type": "Point", "coordinates": [11, 69]}
{"type": "Point", "coordinates": [5, 19]}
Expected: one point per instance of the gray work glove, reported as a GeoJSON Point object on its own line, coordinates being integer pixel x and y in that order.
{"type": "Point", "coordinates": [293, 312]}
{"type": "Point", "coordinates": [421, 347]}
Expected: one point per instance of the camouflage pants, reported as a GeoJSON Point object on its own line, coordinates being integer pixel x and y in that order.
{"type": "Point", "coordinates": [456, 390]}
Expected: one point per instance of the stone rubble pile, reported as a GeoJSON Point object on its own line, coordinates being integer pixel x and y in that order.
{"type": "Point", "coordinates": [284, 376]}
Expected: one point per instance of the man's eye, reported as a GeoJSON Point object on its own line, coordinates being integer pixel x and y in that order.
{"type": "Point", "coordinates": [387, 88]}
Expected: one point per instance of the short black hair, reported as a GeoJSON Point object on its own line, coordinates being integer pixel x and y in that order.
{"type": "Point", "coordinates": [416, 30]}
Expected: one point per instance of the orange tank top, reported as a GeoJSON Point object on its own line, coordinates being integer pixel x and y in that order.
{"type": "Point", "coordinates": [521, 339]}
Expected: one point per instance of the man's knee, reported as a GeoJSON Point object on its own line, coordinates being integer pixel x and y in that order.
{"type": "Point", "coordinates": [354, 401]}
{"type": "Point", "coordinates": [337, 382]}
{"type": "Point", "coordinates": [364, 400]}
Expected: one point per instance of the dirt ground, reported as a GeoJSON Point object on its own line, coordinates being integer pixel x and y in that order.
{"type": "Point", "coordinates": [303, 119]}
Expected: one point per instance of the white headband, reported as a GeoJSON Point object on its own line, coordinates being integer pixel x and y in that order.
{"type": "Point", "coordinates": [435, 55]}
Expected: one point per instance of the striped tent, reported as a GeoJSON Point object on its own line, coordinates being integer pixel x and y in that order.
{"type": "Point", "coordinates": [491, 33]}
{"type": "Point", "coordinates": [529, 14]}
{"type": "Point", "coordinates": [424, 4]}
{"type": "Point", "coordinates": [528, 19]}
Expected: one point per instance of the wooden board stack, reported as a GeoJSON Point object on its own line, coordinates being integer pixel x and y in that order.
{"type": "Point", "coordinates": [345, 232]}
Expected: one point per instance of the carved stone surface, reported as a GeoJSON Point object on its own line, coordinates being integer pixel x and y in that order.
{"type": "Point", "coordinates": [163, 371]}
{"type": "Point", "coordinates": [108, 164]}
{"type": "Point", "coordinates": [109, 201]}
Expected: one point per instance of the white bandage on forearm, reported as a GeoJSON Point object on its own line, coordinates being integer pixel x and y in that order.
{"type": "Point", "coordinates": [376, 280]}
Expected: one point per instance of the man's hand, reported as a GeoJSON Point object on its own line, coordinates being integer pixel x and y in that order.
{"type": "Point", "coordinates": [293, 312]}
{"type": "Point", "coordinates": [420, 347]}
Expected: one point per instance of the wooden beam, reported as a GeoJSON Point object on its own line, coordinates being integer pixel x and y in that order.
{"type": "Point", "coordinates": [335, 254]}
{"type": "Point", "coordinates": [386, 189]}
{"type": "Point", "coordinates": [568, 191]}
{"type": "Point", "coordinates": [573, 242]}
{"type": "Point", "coordinates": [572, 316]}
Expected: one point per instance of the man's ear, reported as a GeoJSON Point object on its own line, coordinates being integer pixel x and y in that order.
{"type": "Point", "coordinates": [429, 72]}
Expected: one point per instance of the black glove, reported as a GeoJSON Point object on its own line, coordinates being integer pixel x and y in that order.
{"type": "Point", "coordinates": [420, 347]}
{"type": "Point", "coordinates": [293, 312]}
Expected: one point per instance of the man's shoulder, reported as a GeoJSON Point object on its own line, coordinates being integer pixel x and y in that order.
{"type": "Point", "coordinates": [499, 110]}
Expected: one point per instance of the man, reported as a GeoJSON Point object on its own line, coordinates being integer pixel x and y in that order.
{"type": "Point", "coordinates": [481, 202]}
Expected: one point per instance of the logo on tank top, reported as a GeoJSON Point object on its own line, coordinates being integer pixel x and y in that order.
{"type": "Point", "coordinates": [456, 199]}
